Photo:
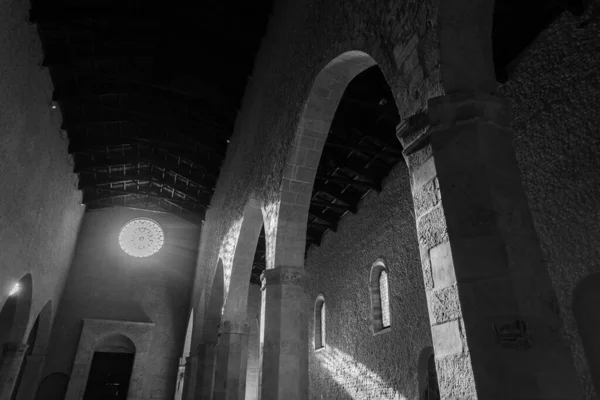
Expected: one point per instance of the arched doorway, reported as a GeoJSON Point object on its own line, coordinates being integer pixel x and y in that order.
{"type": "Point", "coordinates": [110, 372]}
{"type": "Point", "coordinates": [53, 387]}
{"type": "Point", "coordinates": [427, 376]}
{"type": "Point", "coordinates": [586, 299]}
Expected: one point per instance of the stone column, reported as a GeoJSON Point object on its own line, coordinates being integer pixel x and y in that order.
{"type": "Point", "coordinates": [284, 335]}
{"type": "Point", "coordinates": [12, 358]}
{"type": "Point", "coordinates": [492, 306]}
{"type": "Point", "coordinates": [31, 377]}
{"type": "Point", "coordinates": [205, 374]}
{"type": "Point", "coordinates": [232, 360]}
{"type": "Point", "coordinates": [189, 380]}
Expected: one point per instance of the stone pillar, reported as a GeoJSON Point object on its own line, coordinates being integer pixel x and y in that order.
{"type": "Point", "coordinates": [284, 335]}
{"type": "Point", "coordinates": [12, 358]}
{"type": "Point", "coordinates": [31, 377]}
{"type": "Point", "coordinates": [205, 374]}
{"type": "Point", "coordinates": [232, 360]}
{"type": "Point", "coordinates": [492, 306]}
{"type": "Point", "coordinates": [189, 379]}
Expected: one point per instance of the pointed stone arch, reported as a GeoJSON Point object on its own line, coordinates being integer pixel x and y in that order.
{"type": "Point", "coordinates": [237, 295]}
{"type": "Point", "coordinates": [230, 375]}
{"type": "Point", "coordinates": [288, 247]}
{"type": "Point", "coordinates": [205, 374]}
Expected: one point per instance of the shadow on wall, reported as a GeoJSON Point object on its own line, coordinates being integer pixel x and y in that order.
{"type": "Point", "coordinates": [356, 379]}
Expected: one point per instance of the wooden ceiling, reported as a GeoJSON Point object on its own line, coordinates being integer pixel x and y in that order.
{"type": "Point", "coordinates": [149, 94]}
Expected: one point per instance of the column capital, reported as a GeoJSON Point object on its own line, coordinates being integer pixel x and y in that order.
{"type": "Point", "coordinates": [283, 276]}
{"type": "Point", "coordinates": [447, 111]}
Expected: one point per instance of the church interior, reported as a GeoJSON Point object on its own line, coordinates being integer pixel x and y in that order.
{"type": "Point", "coordinates": [303, 199]}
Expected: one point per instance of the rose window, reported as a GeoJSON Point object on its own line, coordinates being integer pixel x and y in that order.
{"type": "Point", "coordinates": [141, 237]}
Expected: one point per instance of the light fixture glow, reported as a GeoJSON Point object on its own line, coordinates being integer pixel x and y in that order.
{"type": "Point", "coordinates": [16, 289]}
{"type": "Point", "coordinates": [141, 237]}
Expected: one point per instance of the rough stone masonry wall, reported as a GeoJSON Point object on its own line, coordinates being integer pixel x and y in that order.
{"type": "Point", "coordinates": [303, 36]}
{"type": "Point", "coordinates": [355, 363]}
{"type": "Point", "coordinates": [555, 91]}
{"type": "Point", "coordinates": [106, 283]}
{"type": "Point", "coordinates": [40, 206]}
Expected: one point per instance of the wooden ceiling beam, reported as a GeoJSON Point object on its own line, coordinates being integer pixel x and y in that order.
{"type": "Point", "coordinates": [365, 170]}
{"type": "Point", "coordinates": [107, 193]}
{"type": "Point", "coordinates": [189, 173]}
{"type": "Point", "coordinates": [344, 181]}
{"type": "Point", "coordinates": [327, 219]}
{"type": "Point", "coordinates": [334, 206]}
{"type": "Point", "coordinates": [200, 194]}
{"type": "Point", "coordinates": [322, 226]}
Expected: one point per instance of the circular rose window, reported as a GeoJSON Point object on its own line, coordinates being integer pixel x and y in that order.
{"type": "Point", "coordinates": [141, 237]}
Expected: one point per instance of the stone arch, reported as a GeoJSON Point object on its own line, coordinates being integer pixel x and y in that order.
{"type": "Point", "coordinates": [377, 268]}
{"type": "Point", "coordinates": [33, 361]}
{"type": "Point", "coordinates": [187, 344]}
{"type": "Point", "coordinates": [237, 295]}
{"type": "Point", "coordinates": [465, 34]}
{"type": "Point", "coordinates": [43, 329]}
{"type": "Point", "coordinates": [15, 313]}
{"type": "Point", "coordinates": [115, 343]}
{"type": "Point", "coordinates": [53, 387]}
{"type": "Point", "coordinates": [205, 374]}
{"type": "Point", "coordinates": [304, 156]}
{"type": "Point", "coordinates": [427, 384]}
{"type": "Point", "coordinates": [586, 298]}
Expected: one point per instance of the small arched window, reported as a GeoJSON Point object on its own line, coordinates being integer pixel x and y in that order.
{"type": "Point", "coordinates": [385, 300]}
{"type": "Point", "coordinates": [380, 297]}
{"type": "Point", "coordinates": [320, 323]}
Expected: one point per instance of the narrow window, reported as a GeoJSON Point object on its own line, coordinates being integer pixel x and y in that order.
{"type": "Point", "coordinates": [380, 297]}
{"type": "Point", "coordinates": [320, 323]}
{"type": "Point", "coordinates": [385, 300]}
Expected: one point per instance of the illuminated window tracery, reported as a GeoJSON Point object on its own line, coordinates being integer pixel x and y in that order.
{"type": "Point", "coordinates": [320, 323]}
{"type": "Point", "coordinates": [380, 298]}
{"type": "Point", "coordinates": [141, 237]}
{"type": "Point", "coordinates": [385, 300]}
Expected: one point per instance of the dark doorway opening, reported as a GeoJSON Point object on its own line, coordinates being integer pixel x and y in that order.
{"type": "Point", "coordinates": [432, 390]}
{"type": "Point", "coordinates": [109, 377]}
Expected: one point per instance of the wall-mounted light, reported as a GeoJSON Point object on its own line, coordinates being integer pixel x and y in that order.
{"type": "Point", "coordinates": [15, 289]}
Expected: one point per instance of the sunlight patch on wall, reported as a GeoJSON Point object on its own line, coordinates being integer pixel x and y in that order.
{"type": "Point", "coordinates": [356, 379]}
{"type": "Point", "coordinates": [227, 251]}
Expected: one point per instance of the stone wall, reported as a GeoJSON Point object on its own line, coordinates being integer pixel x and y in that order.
{"type": "Point", "coordinates": [356, 364]}
{"type": "Point", "coordinates": [106, 283]}
{"type": "Point", "coordinates": [555, 92]}
{"type": "Point", "coordinates": [40, 206]}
